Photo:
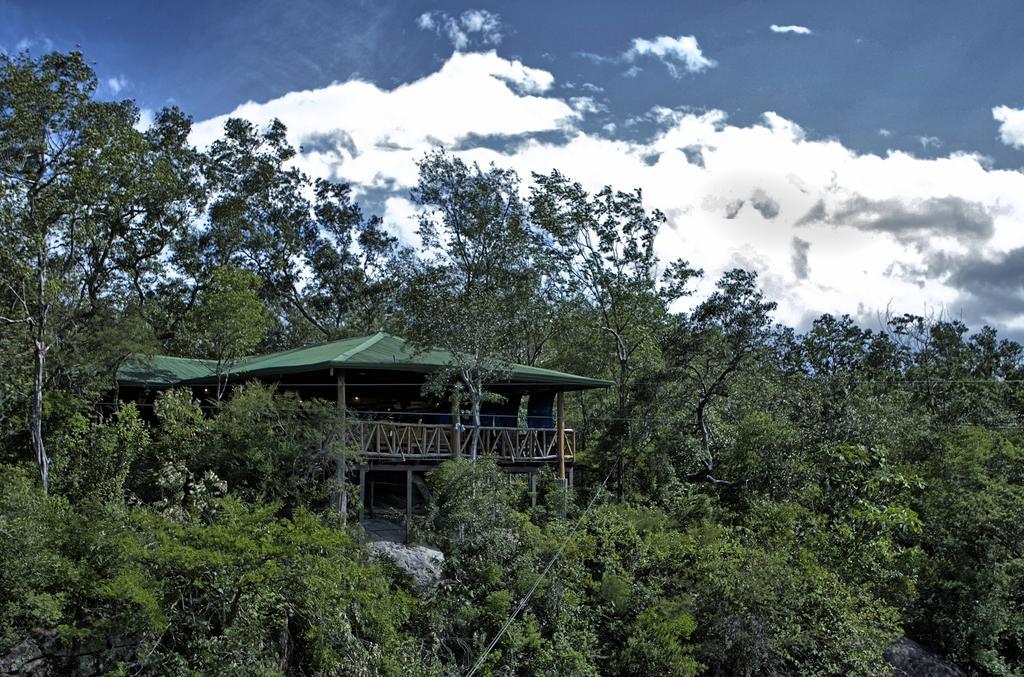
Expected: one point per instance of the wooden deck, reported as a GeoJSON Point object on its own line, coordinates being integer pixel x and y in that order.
{"type": "Point", "coordinates": [391, 441]}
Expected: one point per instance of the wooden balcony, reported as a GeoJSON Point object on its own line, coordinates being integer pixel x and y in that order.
{"type": "Point", "coordinates": [391, 441]}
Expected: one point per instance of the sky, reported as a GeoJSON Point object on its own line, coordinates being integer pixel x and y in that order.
{"type": "Point", "coordinates": [864, 158]}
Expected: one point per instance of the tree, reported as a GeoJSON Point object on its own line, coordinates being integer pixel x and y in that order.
{"type": "Point", "coordinates": [88, 205]}
{"type": "Point", "coordinates": [475, 275]}
{"type": "Point", "coordinates": [972, 593]}
{"type": "Point", "coordinates": [960, 379]}
{"type": "Point", "coordinates": [354, 266]}
{"type": "Point", "coordinates": [602, 250]}
{"type": "Point", "coordinates": [229, 320]}
{"type": "Point", "coordinates": [324, 267]}
{"type": "Point", "coordinates": [724, 333]}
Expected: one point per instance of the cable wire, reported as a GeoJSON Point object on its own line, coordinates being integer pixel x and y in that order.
{"type": "Point", "coordinates": [523, 602]}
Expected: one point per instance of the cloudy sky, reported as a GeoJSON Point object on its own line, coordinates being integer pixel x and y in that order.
{"type": "Point", "coordinates": [859, 156]}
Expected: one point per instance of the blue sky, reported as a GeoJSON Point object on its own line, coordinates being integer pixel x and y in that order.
{"type": "Point", "coordinates": [858, 155]}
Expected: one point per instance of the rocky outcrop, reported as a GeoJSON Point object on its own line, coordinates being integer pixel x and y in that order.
{"type": "Point", "coordinates": [422, 563]}
{"type": "Point", "coordinates": [43, 653]}
{"type": "Point", "coordinates": [33, 656]}
{"type": "Point", "coordinates": [910, 659]}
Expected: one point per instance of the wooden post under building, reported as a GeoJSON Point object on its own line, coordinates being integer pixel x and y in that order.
{"type": "Point", "coordinates": [340, 468]}
{"type": "Point", "coordinates": [408, 502]}
{"type": "Point", "coordinates": [561, 436]}
{"type": "Point", "coordinates": [362, 493]}
{"type": "Point", "coordinates": [456, 430]}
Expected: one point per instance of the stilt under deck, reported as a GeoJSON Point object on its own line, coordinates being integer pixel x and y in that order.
{"type": "Point", "coordinates": [403, 475]}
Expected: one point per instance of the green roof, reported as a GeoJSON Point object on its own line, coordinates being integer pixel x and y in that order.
{"type": "Point", "coordinates": [164, 370]}
{"type": "Point", "coordinates": [379, 351]}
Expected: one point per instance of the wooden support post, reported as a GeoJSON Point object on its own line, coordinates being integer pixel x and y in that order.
{"type": "Point", "coordinates": [341, 469]}
{"type": "Point", "coordinates": [533, 489]}
{"type": "Point", "coordinates": [456, 430]}
{"type": "Point", "coordinates": [362, 494]}
{"type": "Point", "coordinates": [408, 502]}
{"type": "Point", "coordinates": [561, 436]}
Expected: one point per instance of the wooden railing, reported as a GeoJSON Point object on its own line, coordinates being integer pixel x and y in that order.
{"type": "Point", "coordinates": [393, 441]}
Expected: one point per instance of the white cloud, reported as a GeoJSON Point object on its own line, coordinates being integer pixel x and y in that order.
{"type": "Point", "coordinates": [1011, 125]}
{"type": "Point", "coordinates": [587, 105]}
{"type": "Point", "coordinates": [474, 27]}
{"type": "Point", "coordinates": [676, 53]}
{"type": "Point", "coordinates": [929, 142]}
{"type": "Point", "coordinates": [117, 84]}
{"type": "Point", "coordinates": [828, 229]}
{"type": "Point", "coordinates": [884, 132]}
{"type": "Point", "coordinates": [146, 119]}
{"type": "Point", "coordinates": [799, 30]}
{"type": "Point", "coordinates": [475, 95]}
{"type": "Point", "coordinates": [41, 44]}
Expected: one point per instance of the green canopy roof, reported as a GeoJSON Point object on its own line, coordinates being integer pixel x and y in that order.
{"type": "Point", "coordinates": [164, 370]}
{"type": "Point", "coordinates": [379, 351]}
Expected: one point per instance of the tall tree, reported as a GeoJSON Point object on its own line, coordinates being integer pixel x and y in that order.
{"type": "Point", "coordinates": [89, 203]}
{"type": "Point", "coordinates": [602, 248]}
{"type": "Point", "coordinates": [724, 334]}
{"type": "Point", "coordinates": [475, 276]}
{"type": "Point", "coordinates": [325, 268]}
{"type": "Point", "coordinates": [354, 266]}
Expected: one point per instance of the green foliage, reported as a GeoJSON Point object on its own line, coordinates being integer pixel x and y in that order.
{"type": "Point", "coordinates": [477, 273]}
{"type": "Point", "coordinates": [228, 321]}
{"type": "Point", "coordinates": [263, 594]}
{"type": "Point", "coordinates": [94, 458]}
{"type": "Point", "coordinates": [769, 607]}
{"type": "Point", "coordinates": [89, 207]}
{"type": "Point", "coordinates": [972, 597]}
{"type": "Point", "coordinates": [656, 643]}
{"type": "Point", "coordinates": [600, 249]}
{"type": "Point", "coordinates": [243, 592]}
{"type": "Point", "coordinates": [325, 271]}
{"type": "Point", "coordinates": [34, 569]}
{"type": "Point", "coordinates": [261, 444]}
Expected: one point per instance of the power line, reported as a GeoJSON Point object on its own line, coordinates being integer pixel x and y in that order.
{"type": "Point", "coordinates": [536, 584]}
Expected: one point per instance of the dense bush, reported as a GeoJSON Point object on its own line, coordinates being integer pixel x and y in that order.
{"type": "Point", "coordinates": [241, 591]}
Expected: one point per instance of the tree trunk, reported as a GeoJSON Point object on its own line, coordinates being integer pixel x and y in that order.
{"type": "Point", "coordinates": [222, 380]}
{"type": "Point", "coordinates": [39, 376]}
{"type": "Point", "coordinates": [36, 420]}
{"type": "Point", "coordinates": [475, 402]}
{"type": "Point", "coordinates": [705, 436]}
{"type": "Point", "coordinates": [620, 468]}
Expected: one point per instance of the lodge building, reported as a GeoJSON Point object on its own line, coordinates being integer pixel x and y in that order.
{"type": "Point", "coordinates": [390, 424]}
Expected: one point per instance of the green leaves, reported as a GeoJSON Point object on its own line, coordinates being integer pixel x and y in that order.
{"type": "Point", "coordinates": [970, 600]}
{"type": "Point", "coordinates": [228, 322]}
{"type": "Point", "coordinates": [242, 591]}
{"type": "Point", "coordinates": [90, 205]}
{"type": "Point", "coordinates": [325, 271]}
{"type": "Point", "coordinates": [599, 250]}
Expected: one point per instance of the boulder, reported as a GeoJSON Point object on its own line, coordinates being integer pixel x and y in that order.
{"type": "Point", "coordinates": [35, 655]}
{"type": "Point", "coordinates": [422, 563]}
{"type": "Point", "coordinates": [910, 659]}
{"type": "Point", "coordinates": [44, 653]}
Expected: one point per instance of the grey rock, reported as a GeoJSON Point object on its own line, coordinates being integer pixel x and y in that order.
{"type": "Point", "coordinates": [34, 655]}
{"type": "Point", "coordinates": [910, 659]}
{"type": "Point", "coordinates": [422, 563]}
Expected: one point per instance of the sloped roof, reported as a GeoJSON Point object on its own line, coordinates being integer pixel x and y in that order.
{"type": "Point", "coordinates": [379, 351]}
{"type": "Point", "coordinates": [164, 370]}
